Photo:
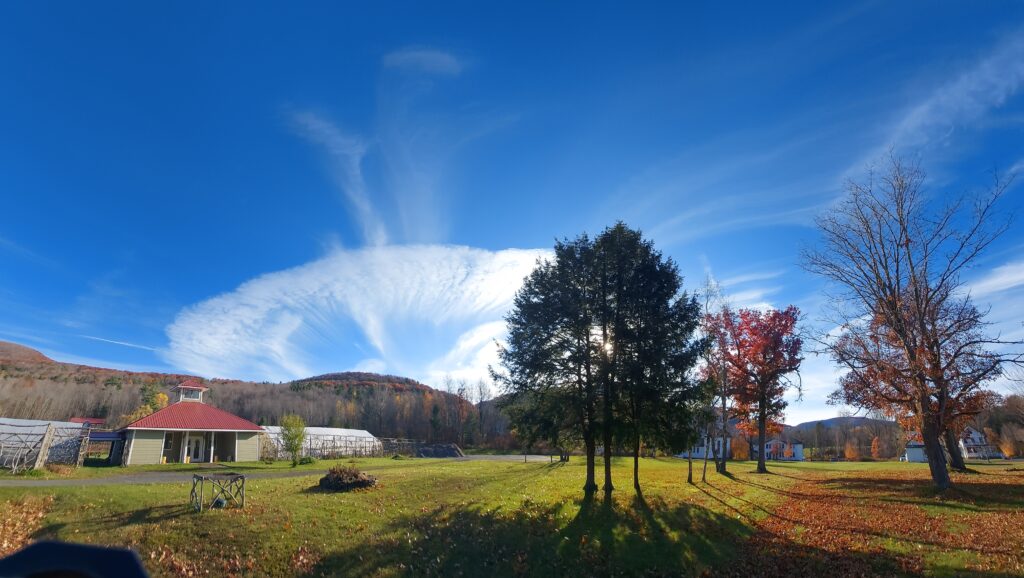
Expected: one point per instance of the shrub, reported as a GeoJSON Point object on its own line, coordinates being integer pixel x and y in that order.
{"type": "Point", "coordinates": [345, 478]}
{"type": "Point", "coordinates": [306, 460]}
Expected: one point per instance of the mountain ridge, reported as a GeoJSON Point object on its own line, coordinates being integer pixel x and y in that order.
{"type": "Point", "coordinates": [33, 386]}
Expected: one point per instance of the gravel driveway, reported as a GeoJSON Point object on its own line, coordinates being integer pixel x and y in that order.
{"type": "Point", "coordinates": [180, 477]}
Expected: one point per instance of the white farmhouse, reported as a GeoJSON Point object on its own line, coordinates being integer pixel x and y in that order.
{"type": "Point", "coordinates": [974, 446]}
{"type": "Point", "coordinates": [777, 449]}
{"type": "Point", "coordinates": [702, 449]}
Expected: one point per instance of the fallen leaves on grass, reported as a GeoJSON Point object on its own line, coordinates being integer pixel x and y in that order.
{"type": "Point", "coordinates": [305, 559]}
{"type": "Point", "coordinates": [884, 523]}
{"type": "Point", "coordinates": [20, 519]}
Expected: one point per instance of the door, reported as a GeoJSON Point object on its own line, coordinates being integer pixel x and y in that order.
{"type": "Point", "coordinates": [195, 449]}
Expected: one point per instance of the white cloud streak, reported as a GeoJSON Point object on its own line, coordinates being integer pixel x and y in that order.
{"type": "Point", "coordinates": [424, 60]}
{"type": "Point", "coordinates": [122, 343]}
{"type": "Point", "coordinates": [749, 277]}
{"type": "Point", "coordinates": [345, 153]}
{"type": "Point", "coordinates": [261, 329]}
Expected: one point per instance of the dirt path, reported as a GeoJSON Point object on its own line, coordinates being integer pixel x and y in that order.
{"type": "Point", "coordinates": [152, 477]}
{"type": "Point", "coordinates": [145, 478]}
{"type": "Point", "coordinates": [505, 458]}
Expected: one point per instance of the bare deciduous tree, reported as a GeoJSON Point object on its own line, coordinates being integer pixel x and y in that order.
{"type": "Point", "coordinates": [912, 341]}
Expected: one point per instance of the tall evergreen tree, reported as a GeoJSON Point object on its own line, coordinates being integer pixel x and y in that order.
{"type": "Point", "coordinates": [551, 349]}
{"type": "Point", "coordinates": [604, 326]}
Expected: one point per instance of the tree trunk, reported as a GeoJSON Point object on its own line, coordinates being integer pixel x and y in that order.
{"type": "Point", "coordinates": [933, 449]}
{"type": "Point", "coordinates": [762, 426]}
{"type": "Point", "coordinates": [689, 463]}
{"type": "Point", "coordinates": [591, 485]}
{"type": "Point", "coordinates": [636, 463]}
{"type": "Point", "coordinates": [704, 474]}
{"type": "Point", "coordinates": [607, 431]}
{"type": "Point", "coordinates": [725, 423]}
{"type": "Point", "coordinates": [956, 459]}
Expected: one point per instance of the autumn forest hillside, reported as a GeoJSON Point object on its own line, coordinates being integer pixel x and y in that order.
{"type": "Point", "coordinates": [33, 386]}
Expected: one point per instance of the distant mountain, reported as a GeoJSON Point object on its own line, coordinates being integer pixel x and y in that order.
{"type": "Point", "coordinates": [13, 352]}
{"type": "Point", "coordinates": [34, 386]}
{"type": "Point", "coordinates": [362, 378]}
{"type": "Point", "coordinates": [842, 421]}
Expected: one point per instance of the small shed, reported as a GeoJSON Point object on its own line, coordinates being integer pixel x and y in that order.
{"type": "Point", "coordinates": [914, 453]}
{"type": "Point", "coordinates": [189, 430]}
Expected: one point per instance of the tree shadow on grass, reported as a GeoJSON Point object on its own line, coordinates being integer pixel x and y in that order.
{"type": "Point", "coordinates": [602, 538]}
{"type": "Point", "coordinates": [974, 491]}
{"type": "Point", "coordinates": [108, 523]}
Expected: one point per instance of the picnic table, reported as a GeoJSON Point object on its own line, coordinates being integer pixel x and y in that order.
{"type": "Point", "coordinates": [224, 489]}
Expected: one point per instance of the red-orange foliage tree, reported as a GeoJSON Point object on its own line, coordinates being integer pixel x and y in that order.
{"type": "Point", "coordinates": [876, 448]}
{"type": "Point", "coordinates": [761, 350]}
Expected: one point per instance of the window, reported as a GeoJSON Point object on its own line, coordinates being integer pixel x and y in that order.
{"type": "Point", "coordinates": [167, 443]}
{"type": "Point", "coordinates": [194, 394]}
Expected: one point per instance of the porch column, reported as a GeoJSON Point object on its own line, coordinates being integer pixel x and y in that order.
{"type": "Point", "coordinates": [184, 447]}
{"type": "Point", "coordinates": [213, 436]}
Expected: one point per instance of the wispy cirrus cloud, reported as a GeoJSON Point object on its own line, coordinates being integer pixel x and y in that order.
{"type": "Point", "coordinates": [999, 279]}
{"type": "Point", "coordinates": [424, 60]}
{"type": "Point", "coordinates": [9, 246]}
{"type": "Point", "coordinates": [423, 306]}
{"type": "Point", "coordinates": [965, 98]}
{"type": "Point", "coordinates": [345, 154]}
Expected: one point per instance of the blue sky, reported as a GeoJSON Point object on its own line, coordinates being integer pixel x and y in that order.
{"type": "Point", "coordinates": [264, 192]}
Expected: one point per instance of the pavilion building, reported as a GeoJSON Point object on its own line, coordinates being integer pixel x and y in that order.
{"type": "Point", "coordinates": [190, 431]}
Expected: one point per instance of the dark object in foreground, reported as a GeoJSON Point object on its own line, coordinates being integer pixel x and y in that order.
{"type": "Point", "coordinates": [228, 488]}
{"type": "Point", "coordinates": [345, 478]}
{"type": "Point", "coordinates": [439, 451]}
{"type": "Point", "coordinates": [71, 561]}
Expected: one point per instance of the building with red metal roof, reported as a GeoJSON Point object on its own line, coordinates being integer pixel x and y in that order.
{"type": "Point", "coordinates": [190, 430]}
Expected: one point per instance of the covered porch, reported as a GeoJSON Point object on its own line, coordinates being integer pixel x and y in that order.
{"type": "Point", "coordinates": [199, 446]}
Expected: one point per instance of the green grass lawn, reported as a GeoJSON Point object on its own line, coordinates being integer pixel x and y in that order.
{"type": "Point", "coordinates": [480, 518]}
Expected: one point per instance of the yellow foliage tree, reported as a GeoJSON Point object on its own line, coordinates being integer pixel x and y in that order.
{"type": "Point", "coordinates": [850, 452]}
{"type": "Point", "coordinates": [740, 448]}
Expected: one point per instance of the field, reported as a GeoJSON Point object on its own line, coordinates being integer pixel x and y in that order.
{"type": "Point", "coordinates": [475, 518]}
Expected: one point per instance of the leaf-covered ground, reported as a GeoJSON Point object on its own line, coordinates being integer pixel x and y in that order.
{"type": "Point", "coordinates": [849, 522]}
{"type": "Point", "coordinates": [437, 517]}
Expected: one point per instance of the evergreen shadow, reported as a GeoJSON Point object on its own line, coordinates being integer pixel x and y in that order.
{"type": "Point", "coordinates": [603, 538]}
